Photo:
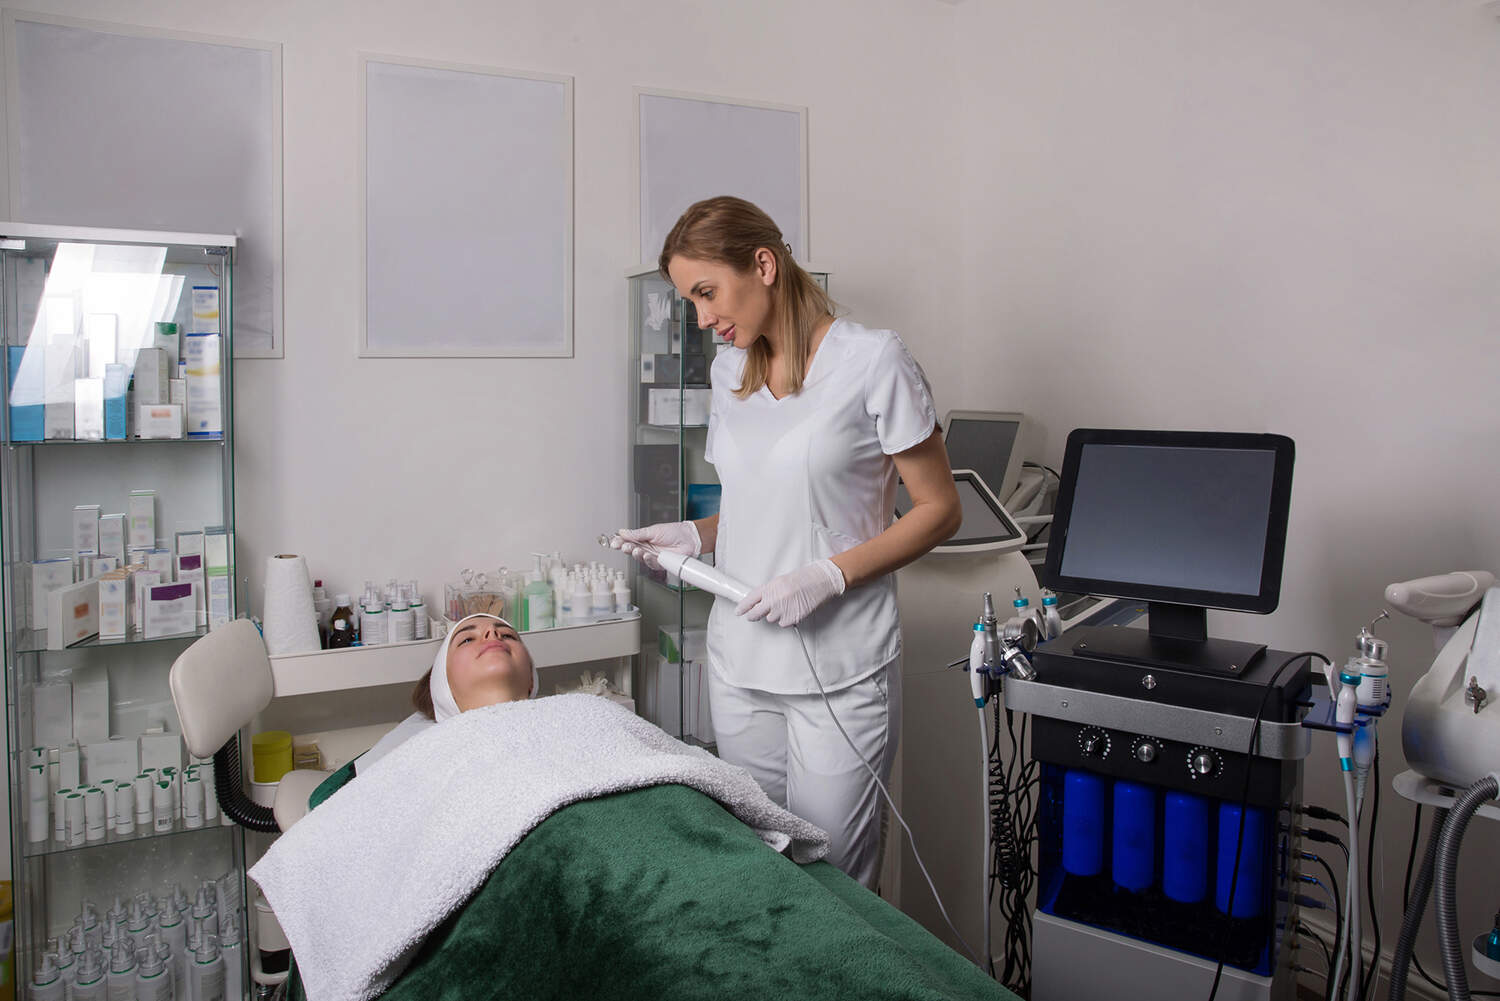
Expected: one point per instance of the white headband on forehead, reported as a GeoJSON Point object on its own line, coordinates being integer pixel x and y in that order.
{"type": "Point", "coordinates": [444, 706]}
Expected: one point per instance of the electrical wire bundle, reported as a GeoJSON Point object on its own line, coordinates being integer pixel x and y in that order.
{"type": "Point", "coordinates": [1014, 799]}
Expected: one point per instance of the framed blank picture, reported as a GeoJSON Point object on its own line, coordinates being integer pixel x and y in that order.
{"type": "Point", "coordinates": [692, 147]}
{"type": "Point", "coordinates": [467, 190]}
{"type": "Point", "coordinates": [120, 127]}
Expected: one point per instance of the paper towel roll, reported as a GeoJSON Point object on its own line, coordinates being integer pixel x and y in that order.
{"type": "Point", "coordinates": [291, 624]}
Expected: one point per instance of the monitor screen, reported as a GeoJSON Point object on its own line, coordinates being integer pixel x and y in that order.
{"type": "Point", "coordinates": [985, 521]}
{"type": "Point", "coordinates": [1179, 517]}
{"type": "Point", "coordinates": [984, 444]}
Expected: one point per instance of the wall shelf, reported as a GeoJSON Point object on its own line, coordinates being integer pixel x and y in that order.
{"type": "Point", "coordinates": [403, 663]}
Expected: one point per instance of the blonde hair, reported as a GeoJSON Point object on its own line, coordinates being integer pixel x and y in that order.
{"type": "Point", "coordinates": [728, 230]}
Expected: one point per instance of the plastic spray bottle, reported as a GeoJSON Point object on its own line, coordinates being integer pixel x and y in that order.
{"type": "Point", "coordinates": [174, 936]}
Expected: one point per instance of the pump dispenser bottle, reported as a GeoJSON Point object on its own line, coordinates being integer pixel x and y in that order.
{"type": "Point", "coordinates": [403, 627]}
{"type": "Point", "coordinates": [122, 971]}
{"type": "Point", "coordinates": [373, 623]}
{"type": "Point", "coordinates": [89, 985]}
{"type": "Point", "coordinates": [174, 935]}
{"type": "Point", "coordinates": [208, 971]}
{"type": "Point", "coordinates": [539, 610]}
{"type": "Point", "coordinates": [233, 955]}
{"type": "Point", "coordinates": [153, 981]}
{"type": "Point", "coordinates": [418, 611]}
{"type": "Point", "coordinates": [47, 981]}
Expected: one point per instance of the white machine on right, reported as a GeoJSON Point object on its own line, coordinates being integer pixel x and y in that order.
{"type": "Point", "coordinates": [1450, 733]}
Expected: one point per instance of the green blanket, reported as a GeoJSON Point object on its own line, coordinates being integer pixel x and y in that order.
{"type": "Point", "coordinates": [661, 894]}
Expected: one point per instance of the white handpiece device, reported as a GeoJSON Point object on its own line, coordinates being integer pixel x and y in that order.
{"type": "Point", "coordinates": [1442, 600]}
{"type": "Point", "coordinates": [700, 574]}
{"type": "Point", "coordinates": [690, 571]}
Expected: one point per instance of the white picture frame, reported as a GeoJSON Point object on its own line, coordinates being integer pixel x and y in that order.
{"type": "Point", "coordinates": [466, 204]}
{"type": "Point", "coordinates": [693, 146]}
{"type": "Point", "coordinates": [222, 139]}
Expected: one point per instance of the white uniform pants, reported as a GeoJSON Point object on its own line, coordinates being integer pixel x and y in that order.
{"type": "Point", "coordinates": [792, 748]}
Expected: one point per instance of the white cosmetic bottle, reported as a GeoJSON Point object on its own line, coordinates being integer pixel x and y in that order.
{"type": "Point", "coordinates": [47, 981]}
{"type": "Point", "coordinates": [153, 981]}
{"type": "Point", "coordinates": [174, 935]}
{"type": "Point", "coordinates": [90, 984]}
{"type": "Point", "coordinates": [207, 972]}
{"type": "Point", "coordinates": [233, 954]}
{"type": "Point", "coordinates": [122, 971]}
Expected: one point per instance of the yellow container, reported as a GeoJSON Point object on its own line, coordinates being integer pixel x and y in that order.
{"type": "Point", "coordinates": [271, 752]}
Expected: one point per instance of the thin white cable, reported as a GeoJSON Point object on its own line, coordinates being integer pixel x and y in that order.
{"type": "Point", "coordinates": [984, 818]}
{"type": "Point", "coordinates": [1351, 896]}
{"type": "Point", "coordinates": [886, 793]}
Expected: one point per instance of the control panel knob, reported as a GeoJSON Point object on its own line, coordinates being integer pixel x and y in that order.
{"type": "Point", "coordinates": [1093, 742]}
{"type": "Point", "coordinates": [1145, 751]}
{"type": "Point", "coordinates": [1203, 763]}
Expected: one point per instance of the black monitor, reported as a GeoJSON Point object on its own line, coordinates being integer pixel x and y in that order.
{"type": "Point", "coordinates": [1184, 520]}
{"type": "Point", "coordinates": [986, 527]}
{"type": "Point", "coordinates": [988, 442]}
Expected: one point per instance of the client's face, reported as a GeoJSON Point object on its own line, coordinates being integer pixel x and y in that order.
{"type": "Point", "coordinates": [487, 664]}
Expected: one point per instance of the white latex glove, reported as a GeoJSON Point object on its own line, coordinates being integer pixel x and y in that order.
{"type": "Point", "coordinates": [792, 597]}
{"type": "Point", "coordinates": [672, 536]}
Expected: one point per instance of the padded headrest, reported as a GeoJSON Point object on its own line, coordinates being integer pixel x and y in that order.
{"type": "Point", "coordinates": [219, 684]}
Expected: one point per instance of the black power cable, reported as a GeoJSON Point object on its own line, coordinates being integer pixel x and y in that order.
{"type": "Point", "coordinates": [1369, 983]}
{"type": "Point", "coordinates": [1239, 844]}
{"type": "Point", "coordinates": [1338, 919]}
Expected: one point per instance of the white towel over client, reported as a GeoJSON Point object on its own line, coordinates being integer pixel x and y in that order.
{"type": "Point", "coordinates": [360, 881]}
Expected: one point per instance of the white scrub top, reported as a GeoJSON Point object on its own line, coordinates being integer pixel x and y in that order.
{"type": "Point", "coordinates": [804, 478]}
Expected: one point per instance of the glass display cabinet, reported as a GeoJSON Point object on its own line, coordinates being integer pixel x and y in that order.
{"type": "Point", "coordinates": [117, 539]}
{"type": "Point", "coordinates": [670, 366]}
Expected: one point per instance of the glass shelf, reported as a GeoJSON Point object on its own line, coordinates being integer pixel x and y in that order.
{"type": "Point", "coordinates": [95, 442]}
{"type": "Point", "coordinates": [35, 640]}
{"type": "Point", "coordinates": [105, 307]}
{"type": "Point", "coordinates": [37, 849]}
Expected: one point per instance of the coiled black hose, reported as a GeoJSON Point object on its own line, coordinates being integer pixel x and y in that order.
{"type": "Point", "coordinates": [229, 788]}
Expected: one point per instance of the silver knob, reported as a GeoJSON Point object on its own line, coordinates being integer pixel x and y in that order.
{"type": "Point", "coordinates": [1145, 752]}
{"type": "Point", "coordinates": [1203, 763]}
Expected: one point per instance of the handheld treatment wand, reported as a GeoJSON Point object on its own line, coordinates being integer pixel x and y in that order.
{"type": "Point", "coordinates": [689, 570]}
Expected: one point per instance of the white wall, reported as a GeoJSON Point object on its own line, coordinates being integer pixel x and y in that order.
{"type": "Point", "coordinates": [1275, 216]}
{"type": "Point", "coordinates": [376, 468]}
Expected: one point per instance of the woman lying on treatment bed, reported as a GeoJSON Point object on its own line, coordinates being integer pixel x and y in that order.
{"type": "Point", "coordinates": [564, 848]}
